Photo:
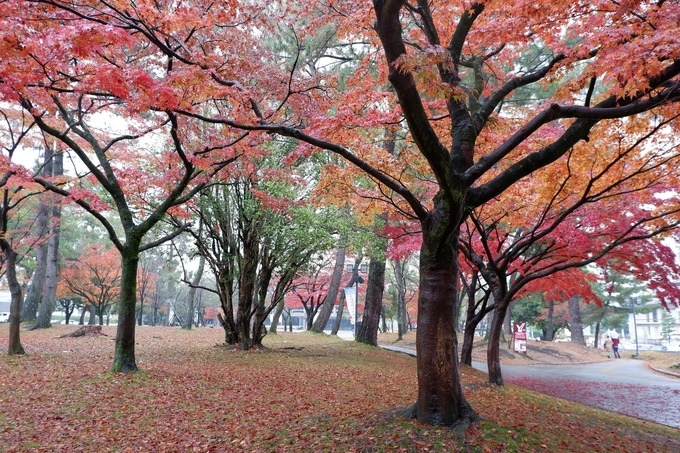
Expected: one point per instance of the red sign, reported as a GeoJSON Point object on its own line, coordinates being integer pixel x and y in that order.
{"type": "Point", "coordinates": [519, 329]}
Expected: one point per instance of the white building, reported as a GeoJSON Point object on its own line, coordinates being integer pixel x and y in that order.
{"type": "Point", "coordinates": [648, 327]}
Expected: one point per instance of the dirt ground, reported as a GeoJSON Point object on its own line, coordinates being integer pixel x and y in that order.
{"type": "Point", "coordinates": [553, 353]}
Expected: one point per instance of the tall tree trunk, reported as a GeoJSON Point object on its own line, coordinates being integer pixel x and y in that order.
{"type": "Point", "coordinates": [14, 346]}
{"type": "Point", "coordinates": [92, 315]}
{"type": "Point", "coordinates": [474, 315]}
{"type": "Point", "coordinates": [440, 393]}
{"type": "Point", "coordinates": [368, 333]}
{"type": "Point", "coordinates": [332, 295]}
{"type": "Point", "coordinates": [49, 295]}
{"type": "Point", "coordinates": [549, 322]}
{"type": "Point", "coordinates": [191, 297]}
{"type": "Point", "coordinates": [575, 322]}
{"type": "Point", "coordinates": [400, 278]}
{"type": "Point", "coordinates": [273, 327]}
{"type": "Point", "coordinates": [493, 358]}
{"type": "Point", "coordinates": [507, 324]}
{"type": "Point", "coordinates": [35, 289]}
{"type": "Point", "coordinates": [338, 315]}
{"type": "Point", "coordinates": [247, 285]}
{"type": "Point", "coordinates": [383, 320]}
{"type": "Point", "coordinates": [124, 355]}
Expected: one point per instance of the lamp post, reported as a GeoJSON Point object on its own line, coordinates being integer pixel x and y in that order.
{"type": "Point", "coordinates": [637, 347]}
{"type": "Point", "coordinates": [356, 307]}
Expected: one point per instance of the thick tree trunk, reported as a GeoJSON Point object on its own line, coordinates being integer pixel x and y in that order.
{"type": "Point", "coordinates": [575, 322]}
{"type": "Point", "coordinates": [368, 333]}
{"type": "Point", "coordinates": [247, 285]}
{"type": "Point", "coordinates": [493, 358]}
{"type": "Point", "coordinates": [332, 295]}
{"type": "Point", "coordinates": [35, 289]}
{"type": "Point", "coordinates": [92, 315]}
{"type": "Point", "coordinates": [440, 394]}
{"type": "Point", "coordinates": [14, 346]}
{"type": "Point", "coordinates": [124, 356]}
{"type": "Point", "coordinates": [550, 322]}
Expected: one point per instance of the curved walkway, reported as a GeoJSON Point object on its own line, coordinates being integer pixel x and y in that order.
{"type": "Point", "coordinates": [625, 386]}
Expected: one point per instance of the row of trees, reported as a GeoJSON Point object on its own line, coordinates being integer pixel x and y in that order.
{"type": "Point", "coordinates": [510, 143]}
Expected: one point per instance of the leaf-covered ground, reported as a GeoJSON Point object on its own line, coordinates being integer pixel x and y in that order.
{"type": "Point", "coordinates": [304, 393]}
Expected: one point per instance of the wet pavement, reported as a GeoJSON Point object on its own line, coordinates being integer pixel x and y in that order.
{"type": "Point", "coordinates": [625, 386]}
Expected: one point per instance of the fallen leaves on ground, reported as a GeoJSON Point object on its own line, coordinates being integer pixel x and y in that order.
{"type": "Point", "coordinates": [305, 392]}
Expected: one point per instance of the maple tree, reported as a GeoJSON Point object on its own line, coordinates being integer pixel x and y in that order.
{"type": "Point", "coordinates": [452, 67]}
{"type": "Point", "coordinates": [256, 236]}
{"type": "Point", "coordinates": [12, 237]}
{"type": "Point", "coordinates": [94, 278]}
{"type": "Point", "coordinates": [481, 164]}
{"type": "Point", "coordinates": [76, 78]}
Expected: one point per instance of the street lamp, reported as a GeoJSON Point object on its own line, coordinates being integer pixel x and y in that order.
{"type": "Point", "coordinates": [356, 307]}
{"type": "Point", "coordinates": [637, 347]}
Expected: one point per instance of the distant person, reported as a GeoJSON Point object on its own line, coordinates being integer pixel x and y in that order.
{"type": "Point", "coordinates": [615, 347]}
{"type": "Point", "coordinates": [608, 346]}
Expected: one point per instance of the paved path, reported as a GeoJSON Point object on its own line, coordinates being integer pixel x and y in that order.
{"type": "Point", "coordinates": [625, 386]}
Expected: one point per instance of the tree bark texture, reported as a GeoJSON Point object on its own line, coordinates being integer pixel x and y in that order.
{"type": "Point", "coordinates": [49, 295]}
{"type": "Point", "coordinates": [493, 358]}
{"type": "Point", "coordinates": [14, 345]}
{"type": "Point", "coordinates": [332, 295]}
{"type": "Point", "coordinates": [35, 289]}
{"type": "Point", "coordinates": [368, 333]}
{"type": "Point", "coordinates": [550, 322]}
{"type": "Point", "coordinates": [247, 284]}
{"type": "Point", "coordinates": [575, 322]}
{"type": "Point", "coordinates": [124, 355]}
{"type": "Point", "coordinates": [440, 394]}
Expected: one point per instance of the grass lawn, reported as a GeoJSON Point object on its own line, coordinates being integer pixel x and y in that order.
{"type": "Point", "coordinates": [306, 392]}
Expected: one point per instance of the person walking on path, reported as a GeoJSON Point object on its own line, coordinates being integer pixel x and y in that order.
{"type": "Point", "coordinates": [615, 347]}
{"type": "Point", "coordinates": [608, 346]}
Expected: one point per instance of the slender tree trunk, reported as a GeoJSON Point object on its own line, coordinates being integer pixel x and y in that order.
{"type": "Point", "coordinates": [400, 278]}
{"type": "Point", "coordinates": [383, 320]}
{"type": "Point", "coordinates": [277, 316]}
{"type": "Point", "coordinates": [192, 292]}
{"type": "Point", "coordinates": [597, 335]}
{"type": "Point", "coordinates": [14, 346]}
{"type": "Point", "coordinates": [474, 315]}
{"type": "Point", "coordinates": [332, 295]}
{"type": "Point", "coordinates": [575, 323]}
{"type": "Point", "coordinates": [338, 315]}
{"type": "Point", "coordinates": [507, 324]}
{"type": "Point", "coordinates": [35, 289]}
{"type": "Point", "coordinates": [124, 356]}
{"type": "Point", "coordinates": [440, 393]}
{"type": "Point", "coordinates": [52, 270]}
{"type": "Point", "coordinates": [368, 333]}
